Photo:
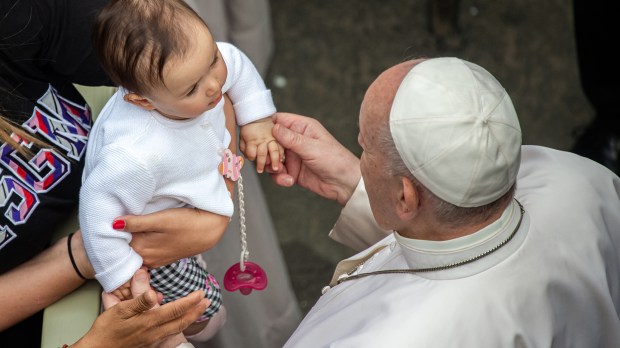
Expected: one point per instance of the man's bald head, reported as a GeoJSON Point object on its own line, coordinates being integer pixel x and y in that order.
{"type": "Point", "coordinates": [441, 120]}
{"type": "Point", "coordinates": [380, 95]}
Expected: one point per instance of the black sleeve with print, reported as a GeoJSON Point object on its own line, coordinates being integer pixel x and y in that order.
{"type": "Point", "coordinates": [45, 47]}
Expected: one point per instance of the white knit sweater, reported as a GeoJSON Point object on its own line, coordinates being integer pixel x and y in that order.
{"type": "Point", "coordinates": [139, 162]}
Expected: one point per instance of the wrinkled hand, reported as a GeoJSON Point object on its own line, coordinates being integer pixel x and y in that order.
{"type": "Point", "coordinates": [172, 234]}
{"type": "Point", "coordinates": [258, 144]}
{"type": "Point", "coordinates": [141, 322]}
{"type": "Point", "coordinates": [315, 160]}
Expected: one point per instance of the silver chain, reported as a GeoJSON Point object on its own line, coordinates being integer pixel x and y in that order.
{"type": "Point", "coordinates": [244, 245]}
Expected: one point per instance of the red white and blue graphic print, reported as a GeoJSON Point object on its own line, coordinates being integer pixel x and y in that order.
{"type": "Point", "coordinates": [61, 123]}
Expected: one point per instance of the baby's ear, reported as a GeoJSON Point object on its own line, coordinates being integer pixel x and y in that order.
{"type": "Point", "coordinates": [138, 101]}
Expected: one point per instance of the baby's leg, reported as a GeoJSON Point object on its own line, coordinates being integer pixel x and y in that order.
{"type": "Point", "coordinates": [205, 330]}
{"type": "Point", "coordinates": [182, 277]}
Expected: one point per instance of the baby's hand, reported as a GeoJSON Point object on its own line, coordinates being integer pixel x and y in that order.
{"type": "Point", "coordinates": [123, 292]}
{"type": "Point", "coordinates": [258, 144]}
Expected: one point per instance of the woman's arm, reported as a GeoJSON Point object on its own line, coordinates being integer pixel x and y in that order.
{"type": "Point", "coordinates": [41, 281]}
{"type": "Point", "coordinates": [172, 234]}
{"type": "Point", "coordinates": [139, 322]}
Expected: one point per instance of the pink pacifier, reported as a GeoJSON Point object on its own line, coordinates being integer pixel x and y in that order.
{"type": "Point", "coordinates": [244, 276]}
{"type": "Point", "coordinates": [253, 277]}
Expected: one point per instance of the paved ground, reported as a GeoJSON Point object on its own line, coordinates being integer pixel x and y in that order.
{"type": "Point", "coordinates": [329, 51]}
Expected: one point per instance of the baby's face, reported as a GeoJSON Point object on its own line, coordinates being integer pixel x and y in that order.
{"type": "Point", "coordinates": [193, 82]}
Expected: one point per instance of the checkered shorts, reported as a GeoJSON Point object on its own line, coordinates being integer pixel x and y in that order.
{"type": "Point", "coordinates": [180, 278]}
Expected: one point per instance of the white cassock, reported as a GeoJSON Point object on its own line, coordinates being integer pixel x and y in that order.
{"type": "Point", "coordinates": [555, 283]}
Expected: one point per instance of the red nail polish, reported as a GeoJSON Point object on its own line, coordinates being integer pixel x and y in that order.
{"type": "Point", "coordinates": [118, 224]}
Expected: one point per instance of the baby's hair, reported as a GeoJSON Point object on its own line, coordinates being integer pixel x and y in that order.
{"type": "Point", "coordinates": [134, 39]}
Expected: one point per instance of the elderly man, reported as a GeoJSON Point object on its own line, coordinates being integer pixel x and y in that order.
{"type": "Point", "coordinates": [489, 243]}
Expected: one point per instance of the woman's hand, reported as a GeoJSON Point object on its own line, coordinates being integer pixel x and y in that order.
{"type": "Point", "coordinates": [141, 322]}
{"type": "Point", "coordinates": [172, 234]}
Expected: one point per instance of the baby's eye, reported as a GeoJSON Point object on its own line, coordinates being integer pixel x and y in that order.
{"type": "Point", "coordinates": [192, 91]}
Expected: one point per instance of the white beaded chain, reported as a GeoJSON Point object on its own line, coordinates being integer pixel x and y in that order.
{"type": "Point", "coordinates": [244, 245]}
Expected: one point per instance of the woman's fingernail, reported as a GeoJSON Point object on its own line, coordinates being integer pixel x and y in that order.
{"type": "Point", "coordinates": [118, 225]}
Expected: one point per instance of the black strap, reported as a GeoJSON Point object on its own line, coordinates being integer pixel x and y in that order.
{"type": "Point", "coordinates": [71, 256]}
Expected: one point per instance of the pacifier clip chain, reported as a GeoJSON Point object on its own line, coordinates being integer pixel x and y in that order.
{"type": "Point", "coordinates": [244, 276]}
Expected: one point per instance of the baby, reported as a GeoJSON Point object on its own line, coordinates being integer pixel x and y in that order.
{"type": "Point", "coordinates": [159, 141]}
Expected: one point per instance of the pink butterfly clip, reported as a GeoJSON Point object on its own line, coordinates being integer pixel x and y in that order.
{"type": "Point", "coordinates": [231, 165]}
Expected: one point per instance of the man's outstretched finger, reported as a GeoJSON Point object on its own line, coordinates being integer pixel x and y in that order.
{"type": "Point", "coordinates": [307, 126]}
{"type": "Point", "coordinates": [288, 138]}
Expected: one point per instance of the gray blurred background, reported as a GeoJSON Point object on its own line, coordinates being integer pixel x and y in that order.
{"type": "Point", "coordinates": [328, 52]}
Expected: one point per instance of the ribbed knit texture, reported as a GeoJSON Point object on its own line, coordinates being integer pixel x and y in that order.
{"type": "Point", "coordinates": [139, 162]}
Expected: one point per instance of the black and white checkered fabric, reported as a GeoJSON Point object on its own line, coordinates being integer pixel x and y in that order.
{"type": "Point", "coordinates": [180, 278]}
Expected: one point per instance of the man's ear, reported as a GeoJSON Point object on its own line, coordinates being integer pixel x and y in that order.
{"type": "Point", "coordinates": [138, 100]}
{"type": "Point", "coordinates": [409, 200]}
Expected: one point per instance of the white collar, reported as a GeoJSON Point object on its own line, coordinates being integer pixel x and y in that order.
{"type": "Point", "coordinates": [423, 254]}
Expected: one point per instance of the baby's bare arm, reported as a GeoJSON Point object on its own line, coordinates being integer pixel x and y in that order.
{"type": "Point", "coordinates": [258, 144]}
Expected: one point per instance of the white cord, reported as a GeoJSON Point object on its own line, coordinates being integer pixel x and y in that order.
{"type": "Point", "coordinates": [244, 245]}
